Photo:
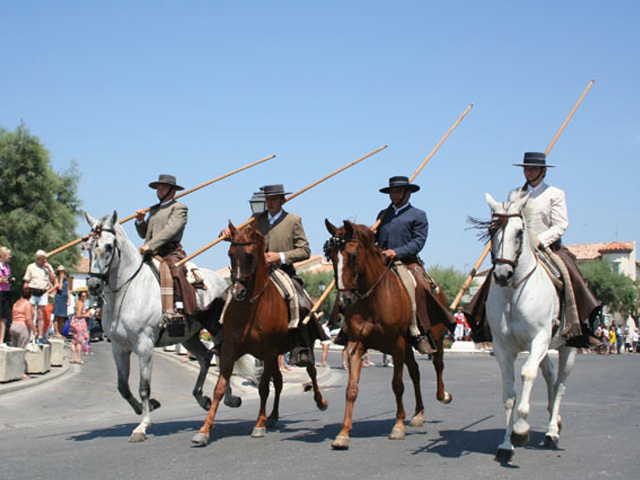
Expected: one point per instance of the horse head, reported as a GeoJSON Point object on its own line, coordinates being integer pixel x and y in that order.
{"type": "Point", "coordinates": [247, 256]}
{"type": "Point", "coordinates": [349, 248]}
{"type": "Point", "coordinates": [102, 245]}
{"type": "Point", "coordinates": [507, 233]}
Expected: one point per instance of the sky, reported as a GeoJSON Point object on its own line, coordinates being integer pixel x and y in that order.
{"type": "Point", "coordinates": [133, 89]}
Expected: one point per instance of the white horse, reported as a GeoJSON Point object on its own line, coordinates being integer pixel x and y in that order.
{"type": "Point", "coordinates": [521, 309]}
{"type": "Point", "coordinates": [132, 315]}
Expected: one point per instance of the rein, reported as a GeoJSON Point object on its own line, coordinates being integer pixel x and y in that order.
{"type": "Point", "coordinates": [499, 222]}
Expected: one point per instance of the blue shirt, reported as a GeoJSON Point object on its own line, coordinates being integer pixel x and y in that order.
{"type": "Point", "coordinates": [404, 231]}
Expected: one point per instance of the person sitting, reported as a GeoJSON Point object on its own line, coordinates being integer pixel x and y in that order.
{"type": "Point", "coordinates": [163, 231]}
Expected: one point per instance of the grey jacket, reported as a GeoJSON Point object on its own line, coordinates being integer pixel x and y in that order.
{"type": "Point", "coordinates": [164, 226]}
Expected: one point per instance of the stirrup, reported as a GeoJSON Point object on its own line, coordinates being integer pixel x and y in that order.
{"type": "Point", "coordinates": [175, 323]}
{"type": "Point", "coordinates": [422, 345]}
{"type": "Point", "coordinates": [301, 357]}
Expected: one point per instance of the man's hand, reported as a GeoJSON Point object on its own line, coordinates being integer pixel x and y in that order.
{"type": "Point", "coordinates": [271, 257]}
{"type": "Point", "coordinates": [389, 253]}
{"type": "Point", "coordinates": [140, 214]}
{"type": "Point", "coordinates": [143, 249]}
{"type": "Point", "coordinates": [226, 233]}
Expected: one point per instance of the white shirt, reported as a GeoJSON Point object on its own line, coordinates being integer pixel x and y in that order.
{"type": "Point", "coordinates": [545, 212]}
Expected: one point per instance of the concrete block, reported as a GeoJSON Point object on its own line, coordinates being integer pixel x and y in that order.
{"type": "Point", "coordinates": [180, 350]}
{"type": "Point", "coordinates": [57, 352]}
{"type": "Point", "coordinates": [169, 348]}
{"type": "Point", "coordinates": [11, 363]}
{"type": "Point", "coordinates": [40, 361]}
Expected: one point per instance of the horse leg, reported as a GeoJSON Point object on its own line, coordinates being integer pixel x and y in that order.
{"type": "Point", "coordinates": [398, 432]}
{"type": "Point", "coordinates": [566, 361]}
{"type": "Point", "coordinates": [548, 368]}
{"type": "Point", "coordinates": [201, 438]}
{"type": "Point", "coordinates": [529, 372]}
{"type": "Point", "coordinates": [146, 364]}
{"type": "Point", "coordinates": [414, 373]}
{"type": "Point", "coordinates": [123, 366]}
{"type": "Point", "coordinates": [321, 402]}
{"type": "Point", "coordinates": [438, 364]}
{"type": "Point", "coordinates": [505, 360]}
{"type": "Point", "coordinates": [355, 366]}
{"type": "Point", "coordinates": [277, 384]}
{"type": "Point", "coordinates": [260, 428]}
{"type": "Point", "coordinates": [195, 346]}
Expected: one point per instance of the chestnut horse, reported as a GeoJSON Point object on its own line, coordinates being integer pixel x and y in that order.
{"type": "Point", "coordinates": [377, 311]}
{"type": "Point", "coordinates": [255, 322]}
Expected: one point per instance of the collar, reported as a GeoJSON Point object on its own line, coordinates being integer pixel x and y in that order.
{"type": "Point", "coordinates": [537, 189]}
{"type": "Point", "coordinates": [273, 219]}
{"type": "Point", "coordinates": [404, 207]}
{"type": "Point", "coordinates": [167, 203]}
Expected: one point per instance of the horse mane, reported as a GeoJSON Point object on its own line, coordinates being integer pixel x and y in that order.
{"type": "Point", "coordinates": [487, 228]}
{"type": "Point", "coordinates": [367, 238]}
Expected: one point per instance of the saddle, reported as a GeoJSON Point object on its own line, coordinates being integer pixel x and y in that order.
{"type": "Point", "coordinates": [410, 284]}
{"type": "Point", "coordinates": [194, 278]}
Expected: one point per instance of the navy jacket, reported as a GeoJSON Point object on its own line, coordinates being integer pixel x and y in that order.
{"type": "Point", "coordinates": [405, 233]}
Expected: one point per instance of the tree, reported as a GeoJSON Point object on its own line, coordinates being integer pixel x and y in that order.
{"type": "Point", "coordinates": [38, 208]}
{"type": "Point", "coordinates": [449, 279]}
{"type": "Point", "coordinates": [312, 282]}
{"type": "Point", "coordinates": [614, 290]}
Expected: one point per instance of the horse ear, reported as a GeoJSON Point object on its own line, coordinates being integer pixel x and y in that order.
{"type": "Point", "coordinates": [348, 226]}
{"type": "Point", "coordinates": [90, 220]}
{"type": "Point", "coordinates": [493, 205]}
{"type": "Point", "coordinates": [114, 218]}
{"type": "Point", "coordinates": [331, 228]}
{"type": "Point", "coordinates": [253, 226]}
{"type": "Point", "coordinates": [232, 228]}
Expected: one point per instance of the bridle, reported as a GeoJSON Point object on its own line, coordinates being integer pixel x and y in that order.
{"type": "Point", "coordinates": [96, 233]}
{"type": "Point", "coordinates": [499, 222]}
{"type": "Point", "coordinates": [247, 281]}
{"type": "Point", "coordinates": [337, 244]}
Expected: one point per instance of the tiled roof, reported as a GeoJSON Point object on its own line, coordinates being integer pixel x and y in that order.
{"type": "Point", "coordinates": [593, 251]}
{"type": "Point", "coordinates": [82, 266]}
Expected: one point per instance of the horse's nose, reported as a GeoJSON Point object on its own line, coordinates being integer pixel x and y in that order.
{"type": "Point", "coordinates": [503, 275]}
{"type": "Point", "coordinates": [94, 286]}
{"type": "Point", "coordinates": [239, 291]}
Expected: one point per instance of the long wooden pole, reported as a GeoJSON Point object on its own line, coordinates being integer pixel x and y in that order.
{"type": "Point", "coordinates": [332, 285]}
{"type": "Point", "coordinates": [473, 272]}
{"type": "Point", "coordinates": [289, 198]}
{"type": "Point", "coordinates": [180, 195]}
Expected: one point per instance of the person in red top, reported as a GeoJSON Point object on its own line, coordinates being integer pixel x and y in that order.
{"type": "Point", "coordinates": [22, 320]}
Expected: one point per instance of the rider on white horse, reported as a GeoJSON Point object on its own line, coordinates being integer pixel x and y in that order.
{"type": "Point", "coordinates": [163, 231]}
{"type": "Point", "coordinates": [546, 217]}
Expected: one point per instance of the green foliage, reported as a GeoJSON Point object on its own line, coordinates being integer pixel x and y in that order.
{"type": "Point", "coordinates": [449, 279]}
{"type": "Point", "coordinates": [38, 208]}
{"type": "Point", "coordinates": [614, 290]}
{"type": "Point", "coordinates": [311, 285]}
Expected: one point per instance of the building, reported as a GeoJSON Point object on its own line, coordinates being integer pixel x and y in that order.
{"type": "Point", "coordinates": [622, 255]}
{"type": "Point", "coordinates": [314, 264]}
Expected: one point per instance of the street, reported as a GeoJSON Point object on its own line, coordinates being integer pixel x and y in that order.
{"type": "Point", "coordinates": [77, 426]}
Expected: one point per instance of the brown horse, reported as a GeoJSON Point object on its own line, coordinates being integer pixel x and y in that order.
{"type": "Point", "coordinates": [255, 322]}
{"type": "Point", "coordinates": [377, 311]}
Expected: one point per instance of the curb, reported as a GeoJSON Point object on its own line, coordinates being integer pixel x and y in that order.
{"type": "Point", "coordinates": [54, 373]}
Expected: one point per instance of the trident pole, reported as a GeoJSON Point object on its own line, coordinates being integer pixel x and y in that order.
{"type": "Point", "coordinates": [473, 272]}
{"type": "Point", "coordinates": [332, 285]}
{"type": "Point", "coordinates": [186, 192]}
{"type": "Point", "coordinates": [288, 199]}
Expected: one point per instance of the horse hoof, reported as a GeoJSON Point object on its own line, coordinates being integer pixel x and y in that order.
{"type": "Point", "coordinates": [550, 442]}
{"type": "Point", "coordinates": [520, 439]}
{"type": "Point", "coordinates": [397, 434]}
{"type": "Point", "coordinates": [447, 398]}
{"type": "Point", "coordinates": [233, 402]}
{"type": "Point", "coordinates": [205, 403]}
{"type": "Point", "coordinates": [271, 422]}
{"type": "Point", "coordinates": [322, 406]}
{"type": "Point", "coordinates": [504, 456]}
{"type": "Point", "coordinates": [137, 437]}
{"type": "Point", "coordinates": [154, 404]}
{"type": "Point", "coordinates": [259, 432]}
{"type": "Point", "coordinates": [341, 443]}
{"type": "Point", "coordinates": [417, 421]}
{"type": "Point", "coordinates": [200, 439]}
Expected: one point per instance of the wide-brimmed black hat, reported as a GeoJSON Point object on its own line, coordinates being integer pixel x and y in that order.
{"type": "Point", "coordinates": [274, 190]}
{"type": "Point", "coordinates": [534, 159]}
{"type": "Point", "coordinates": [400, 181]}
{"type": "Point", "coordinates": [165, 179]}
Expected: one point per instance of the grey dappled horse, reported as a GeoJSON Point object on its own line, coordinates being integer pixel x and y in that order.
{"type": "Point", "coordinates": [521, 309]}
{"type": "Point", "coordinates": [132, 315]}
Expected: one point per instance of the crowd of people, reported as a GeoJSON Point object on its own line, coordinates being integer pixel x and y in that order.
{"type": "Point", "coordinates": [45, 309]}
{"type": "Point", "coordinates": [616, 339]}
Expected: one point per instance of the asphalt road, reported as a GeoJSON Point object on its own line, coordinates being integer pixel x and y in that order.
{"type": "Point", "coordinates": [77, 427]}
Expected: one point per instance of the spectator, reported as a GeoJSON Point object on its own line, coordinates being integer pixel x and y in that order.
{"type": "Point", "coordinates": [459, 332]}
{"type": "Point", "coordinates": [79, 329]}
{"type": "Point", "coordinates": [5, 291]}
{"type": "Point", "coordinates": [22, 320]}
{"type": "Point", "coordinates": [612, 338]}
{"type": "Point", "coordinates": [619, 340]}
{"type": "Point", "coordinates": [634, 339]}
{"type": "Point", "coordinates": [39, 278]}
{"type": "Point", "coordinates": [62, 300]}
{"type": "Point", "coordinates": [325, 343]}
